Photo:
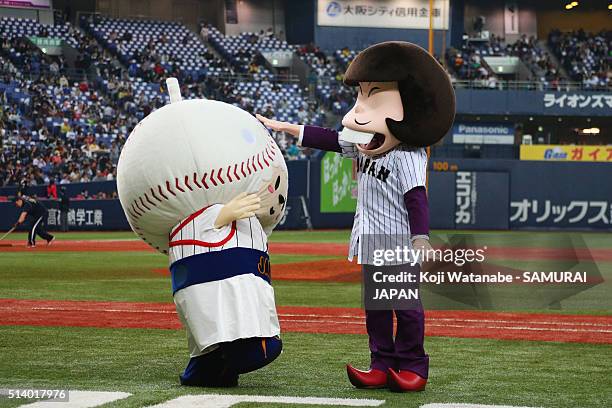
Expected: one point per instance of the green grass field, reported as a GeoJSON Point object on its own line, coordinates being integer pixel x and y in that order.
{"type": "Point", "coordinates": [146, 362]}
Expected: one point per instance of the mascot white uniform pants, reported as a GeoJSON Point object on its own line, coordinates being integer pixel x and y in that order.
{"type": "Point", "coordinates": [223, 296]}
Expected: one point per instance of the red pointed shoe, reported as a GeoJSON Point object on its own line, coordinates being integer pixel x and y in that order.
{"type": "Point", "coordinates": [402, 381]}
{"type": "Point", "coordinates": [372, 378]}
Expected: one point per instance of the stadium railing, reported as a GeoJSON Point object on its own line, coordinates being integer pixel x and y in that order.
{"type": "Point", "coordinates": [505, 85]}
{"type": "Point", "coordinates": [241, 77]}
{"type": "Point", "coordinates": [527, 85]}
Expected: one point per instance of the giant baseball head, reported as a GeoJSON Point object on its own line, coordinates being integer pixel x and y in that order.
{"type": "Point", "coordinates": [194, 153]}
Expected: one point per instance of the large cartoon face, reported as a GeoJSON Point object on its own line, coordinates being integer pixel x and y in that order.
{"type": "Point", "coordinates": [376, 101]}
{"type": "Point", "coordinates": [273, 194]}
{"type": "Point", "coordinates": [191, 154]}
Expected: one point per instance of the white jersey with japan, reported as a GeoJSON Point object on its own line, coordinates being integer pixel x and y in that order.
{"type": "Point", "coordinates": [381, 218]}
{"type": "Point", "coordinates": [221, 280]}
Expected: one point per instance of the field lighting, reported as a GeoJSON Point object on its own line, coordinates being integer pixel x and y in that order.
{"type": "Point", "coordinates": [573, 4]}
{"type": "Point", "coordinates": [591, 131]}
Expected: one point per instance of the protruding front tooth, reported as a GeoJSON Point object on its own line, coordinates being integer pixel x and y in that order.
{"type": "Point", "coordinates": [355, 136]}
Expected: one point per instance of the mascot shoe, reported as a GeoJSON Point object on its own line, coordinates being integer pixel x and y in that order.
{"type": "Point", "coordinates": [402, 381]}
{"type": "Point", "coordinates": [372, 378]}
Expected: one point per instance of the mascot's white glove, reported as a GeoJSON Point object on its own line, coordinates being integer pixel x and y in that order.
{"type": "Point", "coordinates": [279, 126]}
{"type": "Point", "coordinates": [422, 244]}
{"type": "Point", "coordinates": [242, 206]}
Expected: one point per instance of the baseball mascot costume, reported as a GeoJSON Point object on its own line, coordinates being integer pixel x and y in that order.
{"type": "Point", "coordinates": [204, 182]}
{"type": "Point", "coordinates": [405, 102]}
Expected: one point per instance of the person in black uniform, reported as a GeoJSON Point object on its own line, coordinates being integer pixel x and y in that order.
{"type": "Point", "coordinates": [32, 209]}
{"type": "Point", "coordinates": [64, 206]}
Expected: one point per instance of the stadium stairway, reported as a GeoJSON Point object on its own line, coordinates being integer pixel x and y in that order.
{"type": "Point", "coordinates": [553, 57]}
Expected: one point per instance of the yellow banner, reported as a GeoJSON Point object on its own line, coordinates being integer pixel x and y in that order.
{"type": "Point", "coordinates": [567, 153]}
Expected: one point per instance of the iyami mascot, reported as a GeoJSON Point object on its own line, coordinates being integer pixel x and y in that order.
{"type": "Point", "coordinates": [405, 102]}
{"type": "Point", "coordinates": [204, 182]}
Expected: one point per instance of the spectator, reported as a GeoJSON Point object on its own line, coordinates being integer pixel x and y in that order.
{"type": "Point", "coordinates": [204, 33]}
{"type": "Point", "coordinates": [52, 190]}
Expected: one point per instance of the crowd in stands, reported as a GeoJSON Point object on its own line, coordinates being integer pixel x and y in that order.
{"type": "Point", "coordinates": [318, 61]}
{"type": "Point", "coordinates": [468, 62]}
{"type": "Point", "coordinates": [64, 122]}
{"type": "Point", "coordinates": [243, 51]}
{"type": "Point", "coordinates": [468, 65]}
{"type": "Point", "coordinates": [585, 56]}
{"type": "Point", "coordinates": [536, 59]}
{"type": "Point", "coordinates": [58, 129]}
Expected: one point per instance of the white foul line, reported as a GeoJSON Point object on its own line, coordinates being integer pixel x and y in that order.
{"type": "Point", "coordinates": [457, 405]}
{"type": "Point", "coordinates": [227, 401]}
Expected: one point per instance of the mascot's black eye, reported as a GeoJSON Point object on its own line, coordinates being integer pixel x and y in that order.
{"type": "Point", "coordinates": [281, 199]}
{"type": "Point", "coordinates": [277, 183]}
{"type": "Point", "coordinates": [271, 210]}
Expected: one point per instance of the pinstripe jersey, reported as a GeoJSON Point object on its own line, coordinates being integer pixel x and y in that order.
{"type": "Point", "coordinates": [218, 311]}
{"type": "Point", "coordinates": [197, 235]}
{"type": "Point", "coordinates": [381, 210]}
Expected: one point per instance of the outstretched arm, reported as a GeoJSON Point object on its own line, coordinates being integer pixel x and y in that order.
{"type": "Point", "coordinates": [277, 125]}
{"type": "Point", "coordinates": [308, 136]}
{"type": "Point", "coordinates": [22, 218]}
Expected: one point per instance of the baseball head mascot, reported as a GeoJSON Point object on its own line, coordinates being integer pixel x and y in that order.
{"type": "Point", "coordinates": [204, 182]}
{"type": "Point", "coordinates": [405, 102]}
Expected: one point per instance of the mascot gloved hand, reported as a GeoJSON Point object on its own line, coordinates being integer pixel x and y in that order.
{"type": "Point", "coordinates": [204, 182]}
{"type": "Point", "coordinates": [405, 102]}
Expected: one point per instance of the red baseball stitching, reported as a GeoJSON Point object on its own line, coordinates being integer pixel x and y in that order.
{"type": "Point", "coordinates": [219, 176]}
{"type": "Point", "coordinates": [204, 181]}
{"type": "Point", "coordinates": [179, 188]}
{"type": "Point", "coordinates": [195, 180]}
{"type": "Point", "coordinates": [138, 207]}
{"type": "Point", "coordinates": [137, 210]}
{"type": "Point", "coordinates": [149, 200]}
{"type": "Point", "coordinates": [143, 204]}
{"type": "Point", "coordinates": [161, 192]}
{"type": "Point", "coordinates": [169, 189]}
{"type": "Point", "coordinates": [154, 196]}
{"type": "Point", "coordinates": [212, 178]}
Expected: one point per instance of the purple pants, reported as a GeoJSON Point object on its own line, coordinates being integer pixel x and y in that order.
{"type": "Point", "coordinates": [405, 351]}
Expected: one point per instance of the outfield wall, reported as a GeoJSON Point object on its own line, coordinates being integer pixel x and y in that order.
{"type": "Point", "coordinates": [533, 103]}
{"type": "Point", "coordinates": [491, 194]}
{"type": "Point", "coordinates": [472, 194]}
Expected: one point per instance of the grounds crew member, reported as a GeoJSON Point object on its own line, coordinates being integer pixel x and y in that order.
{"type": "Point", "coordinates": [33, 210]}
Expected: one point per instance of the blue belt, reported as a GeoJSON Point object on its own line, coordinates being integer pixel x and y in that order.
{"type": "Point", "coordinates": [219, 265]}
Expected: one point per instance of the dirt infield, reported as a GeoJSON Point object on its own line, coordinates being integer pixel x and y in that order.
{"type": "Point", "coordinates": [78, 246]}
{"type": "Point", "coordinates": [137, 245]}
{"type": "Point", "coordinates": [329, 249]}
{"type": "Point", "coordinates": [467, 324]}
{"type": "Point", "coordinates": [330, 270]}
